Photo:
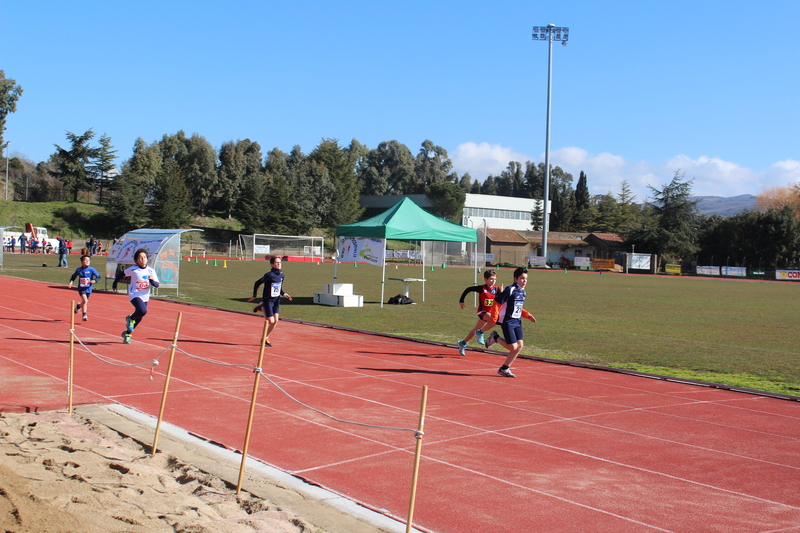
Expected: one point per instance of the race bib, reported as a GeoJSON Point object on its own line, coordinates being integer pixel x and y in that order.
{"type": "Point", "coordinates": [488, 302]}
{"type": "Point", "coordinates": [275, 290]}
{"type": "Point", "coordinates": [142, 285]}
{"type": "Point", "coordinates": [85, 281]}
{"type": "Point", "coordinates": [517, 310]}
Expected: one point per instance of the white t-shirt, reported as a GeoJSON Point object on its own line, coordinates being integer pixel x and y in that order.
{"type": "Point", "coordinates": [140, 281]}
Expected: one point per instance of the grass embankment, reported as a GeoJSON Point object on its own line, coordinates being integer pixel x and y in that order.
{"type": "Point", "coordinates": [734, 332]}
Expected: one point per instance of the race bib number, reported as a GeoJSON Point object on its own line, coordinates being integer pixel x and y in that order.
{"type": "Point", "coordinates": [488, 302]}
{"type": "Point", "coordinates": [517, 310]}
{"type": "Point", "coordinates": [275, 290]}
{"type": "Point", "coordinates": [142, 285]}
{"type": "Point", "coordinates": [85, 281]}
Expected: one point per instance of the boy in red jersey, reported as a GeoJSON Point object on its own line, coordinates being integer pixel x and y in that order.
{"type": "Point", "coordinates": [486, 294]}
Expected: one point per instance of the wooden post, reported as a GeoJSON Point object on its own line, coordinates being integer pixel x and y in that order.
{"type": "Point", "coordinates": [166, 384]}
{"type": "Point", "coordinates": [71, 353]}
{"type": "Point", "coordinates": [252, 407]}
{"type": "Point", "coordinates": [417, 455]}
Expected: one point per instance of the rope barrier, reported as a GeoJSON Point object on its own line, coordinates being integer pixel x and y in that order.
{"type": "Point", "coordinates": [417, 434]}
{"type": "Point", "coordinates": [153, 361]}
{"type": "Point", "coordinates": [255, 370]}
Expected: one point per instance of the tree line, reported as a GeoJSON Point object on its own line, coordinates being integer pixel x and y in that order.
{"type": "Point", "coordinates": [166, 182]}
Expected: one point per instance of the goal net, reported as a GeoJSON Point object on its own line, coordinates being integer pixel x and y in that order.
{"type": "Point", "coordinates": [260, 245]}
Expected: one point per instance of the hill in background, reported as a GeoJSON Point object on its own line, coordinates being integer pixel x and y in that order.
{"type": "Point", "coordinates": [717, 205]}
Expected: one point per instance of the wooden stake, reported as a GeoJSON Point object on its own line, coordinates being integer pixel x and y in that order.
{"type": "Point", "coordinates": [252, 408]}
{"type": "Point", "coordinates": [166, 384]}
{"type": "Point", "coordinates": [71, 353]}
{"type": "Point", "coordinates": [417, 456]}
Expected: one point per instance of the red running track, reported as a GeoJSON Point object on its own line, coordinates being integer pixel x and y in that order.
{"type": "Point", "coordinates": [559, 449]}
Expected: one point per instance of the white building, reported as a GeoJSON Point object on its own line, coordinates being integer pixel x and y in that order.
{"type": "Point", "coordinates": [480, 210]}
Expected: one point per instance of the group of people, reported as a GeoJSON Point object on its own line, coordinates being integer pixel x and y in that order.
{"type": "Point", "coordinates": [501, 305]}
{"type": "Point", "coordinates": [32, 245]}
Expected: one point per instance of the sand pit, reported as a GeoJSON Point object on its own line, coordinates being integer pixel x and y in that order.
{"type": "Point", "coordinates": [63, 473]}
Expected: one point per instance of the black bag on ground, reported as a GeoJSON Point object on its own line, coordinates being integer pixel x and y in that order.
{"type": "Point", "coordinates": [400, 299]}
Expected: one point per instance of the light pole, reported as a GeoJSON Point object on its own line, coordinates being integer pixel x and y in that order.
{"type": "Point", "coordinates": [548, 33]}
{"type": "Point", "coordinates": [7, 143]}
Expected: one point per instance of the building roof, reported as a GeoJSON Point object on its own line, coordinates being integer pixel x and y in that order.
{"type": "Point", "coordinates": [507, 236]}
{"type": "Point", "coordinates": [612, 240]}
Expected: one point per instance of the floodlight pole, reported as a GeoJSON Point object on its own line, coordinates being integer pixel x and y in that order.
{"type": "Point", "coordinates": [550, 33]}
{"type": "Point", "coordinates": [7, 143]}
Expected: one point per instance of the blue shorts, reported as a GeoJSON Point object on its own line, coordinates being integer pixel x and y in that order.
{"type": "Point", "coordinates": [512, 332]}
{"type": "Point", "coordinates": [271, 307]}
{"type": "Point", "coordinates": [87, 292]}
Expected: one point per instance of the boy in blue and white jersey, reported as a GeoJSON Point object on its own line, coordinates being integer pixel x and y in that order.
{"type": "Point", "coordinates": [273, 290]}
{"type": "Point", "coordinates": [141, 278]}
{"type": "Point", "coordinates": [87, 276]}
{"type": "Point", "coordinates": [508, 312]}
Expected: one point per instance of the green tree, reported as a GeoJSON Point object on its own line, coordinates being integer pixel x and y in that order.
{"type": "Point", "coordinates": [388, 169]}
{"type": "Point", "coordinates": [128, 204]}
{"type": "Point", "coordinates": [537, 215]}
{"type": "Point", "coordinates": [465, 183]}
{"type": "Point", "coordinates": [74, 167]}
{"type": "Point", "coordinates": [9, 95]}
{"type": "Point", "coordinates": [236, 160]}
{"type": "Point", "coordinates": [448, 200]}
{"type": "Point", "coordinates": [432, 165]}
{"type": "Point", "coordinates": [534, 180]}
{"type": "Point", "coordinates": [250, 207]}
{"type": "Point", "coordinates": [674, 233]}
{"type": "Point", "coordinates": [340, 164]}
{"type": "Point", "coordinates": [104, 164]}
{"type": "Point", "coordinates": [171, 207]}
{"type": "Point", "coordinates": [476, 187]}
{"type": "Point", "coordinates": [584, 209]}
{"type": "Point", "coordinates": [489, 186]}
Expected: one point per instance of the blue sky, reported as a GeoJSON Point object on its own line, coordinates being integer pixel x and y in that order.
{"type": "Point", "coordinates": [643, 88]}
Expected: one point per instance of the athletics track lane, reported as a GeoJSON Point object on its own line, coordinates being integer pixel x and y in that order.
{"type": "Point", "coordinates": [559, 449]}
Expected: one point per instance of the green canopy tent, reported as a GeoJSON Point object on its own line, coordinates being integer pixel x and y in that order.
{"type": "Point", "coordinates": [406, 221]}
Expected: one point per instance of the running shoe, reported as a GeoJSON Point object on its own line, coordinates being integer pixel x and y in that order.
{"type": "Point", "coordinates": [85, 317]}
{"type": "Point", "coordinates": [506, 373]}
{"type": "Point", "coordinates": [461, 347]}
{"type": "Point", "coordinates": [77, 307]}
{"type": "Point", "coordinates": [480, 337]}
{"type": "Point", "coordinates": [257, 309]}
{"type": "Point", "coordinates": [126, 337]}
{"type": "Point", "coordinates": [267, 344]}
{"type": "Point", "coordinates": [130, 323]}
{"type": "Point", "coordinates": [492, 339]}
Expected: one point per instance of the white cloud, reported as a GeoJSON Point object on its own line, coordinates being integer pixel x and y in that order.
{"type": "Point", "coordinates": [483, 159]}
{"type": "Point", "coordinates": [712, 176]}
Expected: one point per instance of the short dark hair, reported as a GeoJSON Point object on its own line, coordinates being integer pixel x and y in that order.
{"type": "Point", "coordinates": [489, 273]}
{"type": "Point", "coordinates": [273, 258]}
{"type": "Point", "coordinates": [139, 251]}
{"type": "Point", "coordinates": [520, 271]}
{"type": "Point", "coordinates": [84, 255]}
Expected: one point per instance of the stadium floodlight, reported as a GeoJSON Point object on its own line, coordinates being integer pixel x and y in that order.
{"type": "Point", "coordinates": [548, 33]}
{"type": "Point", "coordinates": [7, 143]}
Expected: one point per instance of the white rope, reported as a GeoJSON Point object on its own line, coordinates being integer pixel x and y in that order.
{"type": "Point", "coordinates": [154, 361]}
{"type": "Point", "coordinates": [418, 434]}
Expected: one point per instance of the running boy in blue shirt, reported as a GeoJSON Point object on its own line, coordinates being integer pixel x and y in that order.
{"type": "Point", "coordinates": [87, 276]}
{"type": "Point", "coordinates": [273, 290]}
{"type": "Point", "coordinates": [508, 312]}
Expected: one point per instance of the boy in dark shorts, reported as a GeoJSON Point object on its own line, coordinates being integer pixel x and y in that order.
{"type": "Point", "coordinates": [273, 290]}
{"type": "Point", "coordinates": [87, 277]}
{"type": "Point", "coordinates": [508, 312]}
{"type": "Point", "coordinates": [486, 294]}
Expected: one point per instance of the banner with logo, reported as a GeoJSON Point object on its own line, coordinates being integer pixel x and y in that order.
{"type": "Point", "coordinates": [607, 264]}
{"type": "Point", "coordinates": [708, 270]}
{"type": "Point", "coordinates": [734, 271]}
{"type": "Point", "coordinates": [582, 262]}
{"type": "Point", "coordinates": [361, 249]}
{"type": "Point", "coordinates": [793, 275]}
{"type": "Point", "coordinates": [671, 268]}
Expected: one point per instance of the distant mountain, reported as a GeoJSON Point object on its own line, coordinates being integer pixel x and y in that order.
{"type": "Point", "coordinates": [717, 205]}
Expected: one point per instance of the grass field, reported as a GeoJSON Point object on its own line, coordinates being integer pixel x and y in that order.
{"type": "Point", "coordinates": [740, 333]}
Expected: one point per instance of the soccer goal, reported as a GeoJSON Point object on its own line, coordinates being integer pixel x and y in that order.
{"type": "Point", "coordinates": [259, 245]}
